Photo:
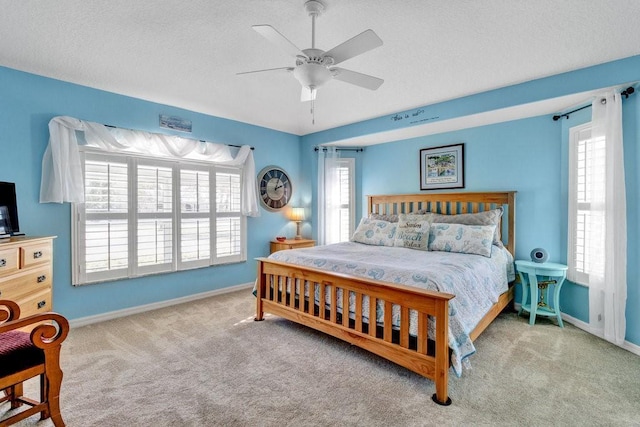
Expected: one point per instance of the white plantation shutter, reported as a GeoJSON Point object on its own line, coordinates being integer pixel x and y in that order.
{"type": "Point", "coordinates": [346, 208]}
{"type": "Point", "coordinates": [146, 216]}
{"type": "Point", "coordinates": [229, 220]}
{"type": "Point", "coordinates": [195, 217]}
{"type": "Point", "coordinates": [104, 228]}
{"type": "Point", "coordinates": [586, 222]}
{"type": "Point", "coordinates": [154, 190]}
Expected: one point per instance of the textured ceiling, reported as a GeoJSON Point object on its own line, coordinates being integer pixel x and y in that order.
{"type": "Point", "coordinates": [187, 53]}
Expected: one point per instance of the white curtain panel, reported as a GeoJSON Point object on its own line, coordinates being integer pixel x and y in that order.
{"type": "Point", "coordinates": [62, 179]}
{"type": "Point", "coordinates": [608, 284]}
{"type": "Point", "coordinates": [328, 196]}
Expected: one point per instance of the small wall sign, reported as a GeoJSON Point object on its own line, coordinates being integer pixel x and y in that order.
{"type": "Point", "coordinates": [175, 123]}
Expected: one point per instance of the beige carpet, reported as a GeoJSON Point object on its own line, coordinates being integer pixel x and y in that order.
{"type": "Point", "coordinates": [207, 363]}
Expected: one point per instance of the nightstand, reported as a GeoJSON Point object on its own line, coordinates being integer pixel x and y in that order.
{"type": "Point", "coordinates": [291, 244]}
{"type": "Point", "coordinates": [537, 281]}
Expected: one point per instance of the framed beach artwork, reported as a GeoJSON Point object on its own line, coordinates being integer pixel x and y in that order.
{"type": "Point", "coordinates": [442, 167]}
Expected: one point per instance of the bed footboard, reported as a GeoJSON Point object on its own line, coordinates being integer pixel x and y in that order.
{"type": "Point", "coordinates": [282, 289]}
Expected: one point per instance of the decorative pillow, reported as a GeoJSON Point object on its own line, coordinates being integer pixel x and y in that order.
{"type": "Point", "coordinates": [465, 239]}
{"type": "Point", "coordinates": [375, 232]}
{"type": "Point", "coordinates": [491, 217]}
{"type": "Point", "coordinates": [384, 217]}
{"type": "Point", "coordinates": [412, 232]}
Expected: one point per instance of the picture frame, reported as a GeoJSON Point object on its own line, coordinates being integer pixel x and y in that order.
{"type": "Point", "coordinates": [442, 167]}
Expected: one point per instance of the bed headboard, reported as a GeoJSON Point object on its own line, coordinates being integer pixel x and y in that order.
{"type": "Point", "coordinates": [451, 204]}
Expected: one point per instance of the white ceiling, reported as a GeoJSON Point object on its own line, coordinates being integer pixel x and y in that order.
{"type": "Point", "coordinates": [187, 53]}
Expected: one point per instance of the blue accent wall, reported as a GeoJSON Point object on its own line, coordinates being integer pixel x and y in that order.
{"type": "Point", "coordinates": [528, 155]}
{"type": "Point", "coordinates": [28, 102]}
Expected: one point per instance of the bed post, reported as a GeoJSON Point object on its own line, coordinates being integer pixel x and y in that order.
{"type": "Point", "coordinates": [441, 374]}
{"type": "Point", "coordinates": [260, 292]}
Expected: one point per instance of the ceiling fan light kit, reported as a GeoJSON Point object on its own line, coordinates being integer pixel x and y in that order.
{"type": "Point", "coordinates": [315, 67]}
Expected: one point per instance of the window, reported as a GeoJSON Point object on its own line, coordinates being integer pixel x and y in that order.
{"type": "Point", "coordinates": [586, 221]}
{"type": "Point", "coordinates": [346, 208]}
{"type": "Point", "coordinates": [146, 216]}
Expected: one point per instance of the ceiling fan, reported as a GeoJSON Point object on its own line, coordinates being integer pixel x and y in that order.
{"type": "Point", "coordinates": [315, 67]}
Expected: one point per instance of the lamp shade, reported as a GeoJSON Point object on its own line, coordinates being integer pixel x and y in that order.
{"type": "Point", "coordinates": [297, 214]}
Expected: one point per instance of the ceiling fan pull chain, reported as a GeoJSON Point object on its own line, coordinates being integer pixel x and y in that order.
{"type": "Point", "coordinates": [313, 31]}
{"type": "Point", "coordinates": [313, 111]}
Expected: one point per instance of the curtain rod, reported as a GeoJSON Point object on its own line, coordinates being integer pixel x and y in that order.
{"type": "Point", "coordinates": [628, 91]}
{"type": "Point", "coordinates": [339, 149]}
{"type": "Point", "coordinates": [201, 140]}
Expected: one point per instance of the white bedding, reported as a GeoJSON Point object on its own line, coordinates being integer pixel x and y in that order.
{"type": "Point", "coordinates": [476, 281]}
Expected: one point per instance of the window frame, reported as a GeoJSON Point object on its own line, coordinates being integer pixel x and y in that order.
{"type": "Point", "coordinates": [132, 160]}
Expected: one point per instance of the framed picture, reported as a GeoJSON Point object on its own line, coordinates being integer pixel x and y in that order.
{"type": "Point", "coordinates": [442, 167]}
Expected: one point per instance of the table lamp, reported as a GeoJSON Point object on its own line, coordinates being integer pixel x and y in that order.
{"type": "Point", "coordinates": [297, 215]}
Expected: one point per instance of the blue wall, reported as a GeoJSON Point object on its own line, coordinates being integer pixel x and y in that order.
{"type": "Point", "coordinates": [28, 102]}
{"type": "Point", "coordinates": [529, 156]}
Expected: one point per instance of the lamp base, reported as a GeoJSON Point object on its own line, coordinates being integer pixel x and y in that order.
{"type": "Point", "coordinates": [298, 235]}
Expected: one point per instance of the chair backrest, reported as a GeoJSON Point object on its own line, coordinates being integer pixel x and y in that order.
{"type": "Point", "coordinates": [24, 355]}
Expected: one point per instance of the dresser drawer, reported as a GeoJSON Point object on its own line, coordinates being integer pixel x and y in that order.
{"type": "Point", "coordinates": [8, 261]}
{"type": "Point", "coordinates": [17, 286]}
{"type": "Point", "coordinates": [35, 254]}
{"type": "Point", "coordinates": [277, 245]}
{"type": "Point", "coordinates": [36, 303]}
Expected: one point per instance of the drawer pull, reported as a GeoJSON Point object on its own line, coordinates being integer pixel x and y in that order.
{"type": "Point", "coordinates": [42, 278]}
{"type": "Point", "coordinates": [37, 254]}
{"type": "Point", "coordinates": [3, 262]}
{"type": "Point", "coordinates": [42, 304]}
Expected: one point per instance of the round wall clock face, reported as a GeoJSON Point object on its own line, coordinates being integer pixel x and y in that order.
{"type": "Point", "coordinates": [274, 187]}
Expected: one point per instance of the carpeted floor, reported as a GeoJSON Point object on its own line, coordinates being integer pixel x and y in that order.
{"type": "Point", "coordinates": [207, 363]}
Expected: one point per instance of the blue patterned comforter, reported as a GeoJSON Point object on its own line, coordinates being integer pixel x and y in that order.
{"type": "Point", "coordinates": [476, 281]}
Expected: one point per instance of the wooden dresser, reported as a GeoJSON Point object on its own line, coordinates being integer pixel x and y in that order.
{"type": "Point", "coordinates": [26, 273]}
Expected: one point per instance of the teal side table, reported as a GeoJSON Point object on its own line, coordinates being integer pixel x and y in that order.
{"type": "Point", "coordinates": [537, 281]}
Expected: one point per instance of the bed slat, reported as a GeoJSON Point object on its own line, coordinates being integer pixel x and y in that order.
{"type": "Point", "coordinates": [404, 327]}
{"type": "Point", "coordinates": [358, 297]}
{"type": "Point", "coordinates": [334, 305]}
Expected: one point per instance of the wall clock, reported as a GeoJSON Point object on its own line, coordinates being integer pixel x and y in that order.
{"type": "Point", "coordinates": [274, 187]}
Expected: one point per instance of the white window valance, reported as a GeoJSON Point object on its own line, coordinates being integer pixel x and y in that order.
{"type": "Point", "coordinates": [62, 179]}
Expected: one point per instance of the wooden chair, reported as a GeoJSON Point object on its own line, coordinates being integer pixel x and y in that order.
{"type": "Point", "coordinates": [25, 355]}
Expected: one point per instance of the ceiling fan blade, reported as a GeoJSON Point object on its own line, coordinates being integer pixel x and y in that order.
{"type": "Point", "coordinates": [363, 80]}
{"type": "Point", "coordinates": [274, 36]}
{"type": "Point", "coordinates": [308, 94]}
{"type": "Point", "coordinates": [289, 69]}
{"type": "Point", "coordinates": [355, 46]}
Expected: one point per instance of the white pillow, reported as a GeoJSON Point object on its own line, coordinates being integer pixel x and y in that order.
{"type": "Point", "coordinates": [412, 232]}
{"type": "Point", "coordinates": [465, 239]}
{"type": "Point", "coordinates": [375, 232]}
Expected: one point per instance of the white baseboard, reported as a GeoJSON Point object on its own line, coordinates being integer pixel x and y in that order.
{"type": "Point", "coordinates": [633, 348]}
{"type": "Point", "coordinates": [82, 321]}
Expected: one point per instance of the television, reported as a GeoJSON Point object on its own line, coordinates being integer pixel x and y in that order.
{"type": "Point", "coordinates": [9, 225]}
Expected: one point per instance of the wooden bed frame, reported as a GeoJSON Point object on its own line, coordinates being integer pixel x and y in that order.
{"type": "Point", "coordinates": [427, 357]}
